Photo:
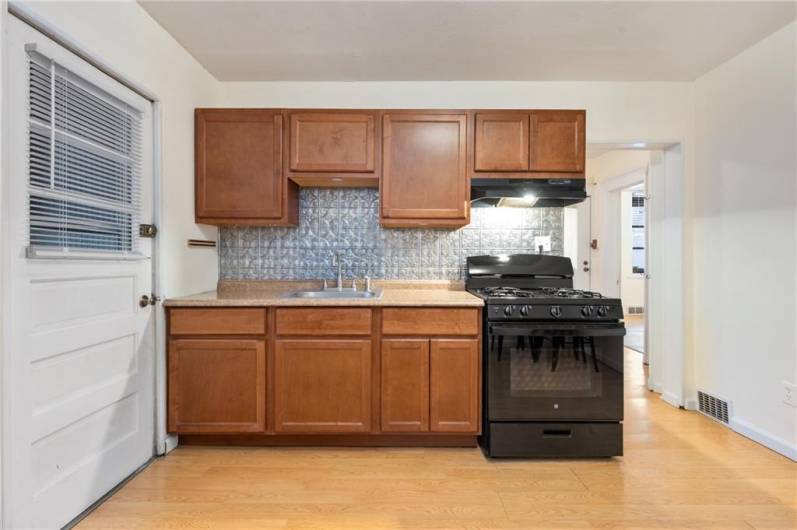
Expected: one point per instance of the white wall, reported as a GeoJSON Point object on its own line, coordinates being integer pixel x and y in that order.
{"type": "Point", "coordinates": [615, 111]}
{"type": "Point", "coordinates": [124, 36]}
{"type": "Point", "coordinates": [745, 250]}
{"type": "Point", "coordinates": [3, 267]}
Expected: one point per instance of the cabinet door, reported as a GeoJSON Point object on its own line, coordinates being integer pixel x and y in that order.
{"type": "Point", "coordinates": [424, 169]}
{"type": "Point", "coordinates": [405, 385]}
{"type": "Point", "coordinates": [454, 385]}
{"type": "Point", "coordinates": [332, 142]}
{"type": "Point", "coordinates": [502, 141]}
{"type": "Point", "coordinates": [557, 140]}
{"type": "Point", "coordinates": [217, 386]}
{"type": "Point", "coordinates": [238, 165]}
{"type": "Point", "coordinates": [322, 386]}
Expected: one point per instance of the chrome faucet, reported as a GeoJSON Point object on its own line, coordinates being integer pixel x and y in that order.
{"type": "Point", "coordinates": [340, 270]}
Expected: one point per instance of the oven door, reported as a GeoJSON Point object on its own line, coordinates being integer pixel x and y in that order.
{"type": "Point", "coordinates": [555, 371]}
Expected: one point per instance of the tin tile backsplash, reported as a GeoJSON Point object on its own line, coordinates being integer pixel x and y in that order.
{"type": "Point", "coordinates": [347, 221]}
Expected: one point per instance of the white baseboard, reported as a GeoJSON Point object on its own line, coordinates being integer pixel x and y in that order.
{"type": "Point", "coordinates": [171, 443]}
{"type": "Point", "coordinates": [167, 445]}
{"type": "Point", "coordinates": [672, 399]}
{"type": "Point", "coordinates": [655, 387]}
{"type": "Point", "coordinates": [691, 404]}
{"type": "Point", "coordinates": [773, 442]}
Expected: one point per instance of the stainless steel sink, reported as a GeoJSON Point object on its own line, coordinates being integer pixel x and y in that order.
{"type": "Point", "coordinates": [334, 293]}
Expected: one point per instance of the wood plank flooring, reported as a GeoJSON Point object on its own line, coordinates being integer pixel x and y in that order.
{"type": "Point", "coordinates": [680, 470]}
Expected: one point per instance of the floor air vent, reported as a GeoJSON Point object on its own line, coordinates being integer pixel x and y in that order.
{"type": "Point", "coordinates": [636, 310]}
{"type": "Point", "coordinates": [713, 406]}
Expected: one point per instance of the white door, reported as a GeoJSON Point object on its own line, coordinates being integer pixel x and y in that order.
{"type": "Point", "coordinates": [582, 261]}
{"type": "Point", "coordinates": [80, 409]}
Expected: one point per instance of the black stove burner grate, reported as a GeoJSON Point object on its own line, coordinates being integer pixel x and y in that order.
{"type": "Point", "coordinates": [538, 292]}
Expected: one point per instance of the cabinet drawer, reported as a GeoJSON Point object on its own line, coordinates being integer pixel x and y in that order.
{"type": "Point", "coordinates": [318, 321]}
{"type": "Point", "coordinates": [430, 321]}
{"type": "Point", "coordinates": [217, 321]}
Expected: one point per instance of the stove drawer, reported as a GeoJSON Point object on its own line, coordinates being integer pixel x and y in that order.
{"type": "Point", "coordinates": [549, 440]}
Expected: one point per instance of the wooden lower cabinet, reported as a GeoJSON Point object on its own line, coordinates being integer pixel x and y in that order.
{"type": "Point", "coordinates": [409, 376]}
{"type": "Point", "coordinates": [322, 386]}
{"type": "Point", "coordinates": [430, 385]}
{"type": "Point", "coordinates": [217, 386]}
{"type": "Point", "coordinates": [454, 385]}
{"type": "Point", "coordinates": [405, 385]}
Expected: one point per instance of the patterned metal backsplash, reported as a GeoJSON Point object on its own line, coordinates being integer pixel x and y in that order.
{"type": "Point", "coordinates": [347, 220]}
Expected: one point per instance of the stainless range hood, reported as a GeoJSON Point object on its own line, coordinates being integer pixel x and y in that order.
{"type": "Point", "coordinates": [527, 193]}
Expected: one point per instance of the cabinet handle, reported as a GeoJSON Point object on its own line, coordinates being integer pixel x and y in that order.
{"type": "Point", "coordinates": [557, 433]}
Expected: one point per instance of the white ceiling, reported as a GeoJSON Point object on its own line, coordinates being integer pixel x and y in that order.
{"type": "Point", "coordinates": [397, 41]}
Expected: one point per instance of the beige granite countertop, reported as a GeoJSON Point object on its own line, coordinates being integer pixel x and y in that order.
{"type": "Point", "coordinates": [232, 293]}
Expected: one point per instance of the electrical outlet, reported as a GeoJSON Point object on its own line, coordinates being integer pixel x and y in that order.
{"type": "Point", "coordinates": [790, 397]}
{"type": "Point", "coordinates": [544, 242]}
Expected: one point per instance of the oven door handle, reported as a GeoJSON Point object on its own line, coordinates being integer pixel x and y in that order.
{"type": "Point", "coordinates": [615, 330]}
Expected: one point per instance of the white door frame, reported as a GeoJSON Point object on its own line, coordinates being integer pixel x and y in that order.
{"type": "Point", "coordinates": [666, 305]}
{"type": "Point", "coordinates": [162, 442]}
{"type": "Point", "coordinates": [4, 303]}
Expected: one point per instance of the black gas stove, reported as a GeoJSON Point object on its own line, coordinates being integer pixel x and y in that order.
{"type": "Point", "coordinates": [553, 363]}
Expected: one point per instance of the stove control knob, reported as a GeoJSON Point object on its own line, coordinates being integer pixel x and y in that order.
{"type": "Point", "coordinates": [556, 311]}
{"type": "Point", "coordinates": [508, 310]}
{"type": "Point", "coordinates": [586, 310]}
{"type": "Point", "coordinates": [603, 311]}
{"type": "Point", "coordinates": [524, 311]}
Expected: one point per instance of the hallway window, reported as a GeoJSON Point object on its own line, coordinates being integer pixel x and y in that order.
{"type": "Point", "coordinates": [638, 232]}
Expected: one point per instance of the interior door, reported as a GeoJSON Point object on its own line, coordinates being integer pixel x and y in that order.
{"type": "Point", "coordinates": [79, 393]}
{"type": "Point", "coordinates": [582, 261]}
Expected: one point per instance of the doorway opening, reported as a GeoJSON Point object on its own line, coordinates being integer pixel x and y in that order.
{"type": "Point", "coordinates": [626, 242]}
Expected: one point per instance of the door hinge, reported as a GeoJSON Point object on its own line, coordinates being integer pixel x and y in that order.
{"type": "Point", "coordinates": [147, 231]}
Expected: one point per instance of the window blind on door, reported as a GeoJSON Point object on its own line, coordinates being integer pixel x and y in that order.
{"type": "Point", "coordinates": [84, 162]}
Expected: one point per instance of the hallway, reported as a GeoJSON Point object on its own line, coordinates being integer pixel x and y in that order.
{"type": "Point", "coordinates": [635, 332]}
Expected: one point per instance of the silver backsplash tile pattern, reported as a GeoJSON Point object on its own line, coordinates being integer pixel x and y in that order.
{"type": "Point", "coordinates": [347, 220]}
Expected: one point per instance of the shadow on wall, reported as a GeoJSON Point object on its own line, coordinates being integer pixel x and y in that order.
{"type": "Point", "coordinates": [347, 220]}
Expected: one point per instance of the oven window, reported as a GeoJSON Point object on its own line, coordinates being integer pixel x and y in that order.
{"type": "Point", "coordinates": [553, 367]}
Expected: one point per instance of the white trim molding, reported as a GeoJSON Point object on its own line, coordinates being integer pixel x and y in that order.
{"type": "Point", "coordinates": [779, 445]}
{"type": "Point", "coordinates": [672, 399]}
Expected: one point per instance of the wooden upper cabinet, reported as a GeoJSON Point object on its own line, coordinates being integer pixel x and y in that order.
{"type": "Point", "coordinates": [425, 178]}
{"type": "Point", "coordinates": [322, 386]}
{"type": "Point", "coordinates": [405, 385]}
{"type": "Point", "coordinates": [340, 144]}
{"type": "Point", "coordinates": [217, 386]}
{"type": "Point", "coordinates": [238, 175]}
{"type": "Point", "coordinates": [557, 141]}
{"type": "Point", "coordinates": [502, 141]}
{"type": "Point", "coordinates": [454, 385]}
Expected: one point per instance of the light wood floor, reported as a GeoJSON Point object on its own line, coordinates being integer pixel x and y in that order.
{"type": "Point", "coordinates": [635, 332]}
{"type": "Point", "coordinates": [680, 470]}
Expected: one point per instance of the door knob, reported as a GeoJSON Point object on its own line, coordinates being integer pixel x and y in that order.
{"type": "Point", "coordinates": [146, 300]}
